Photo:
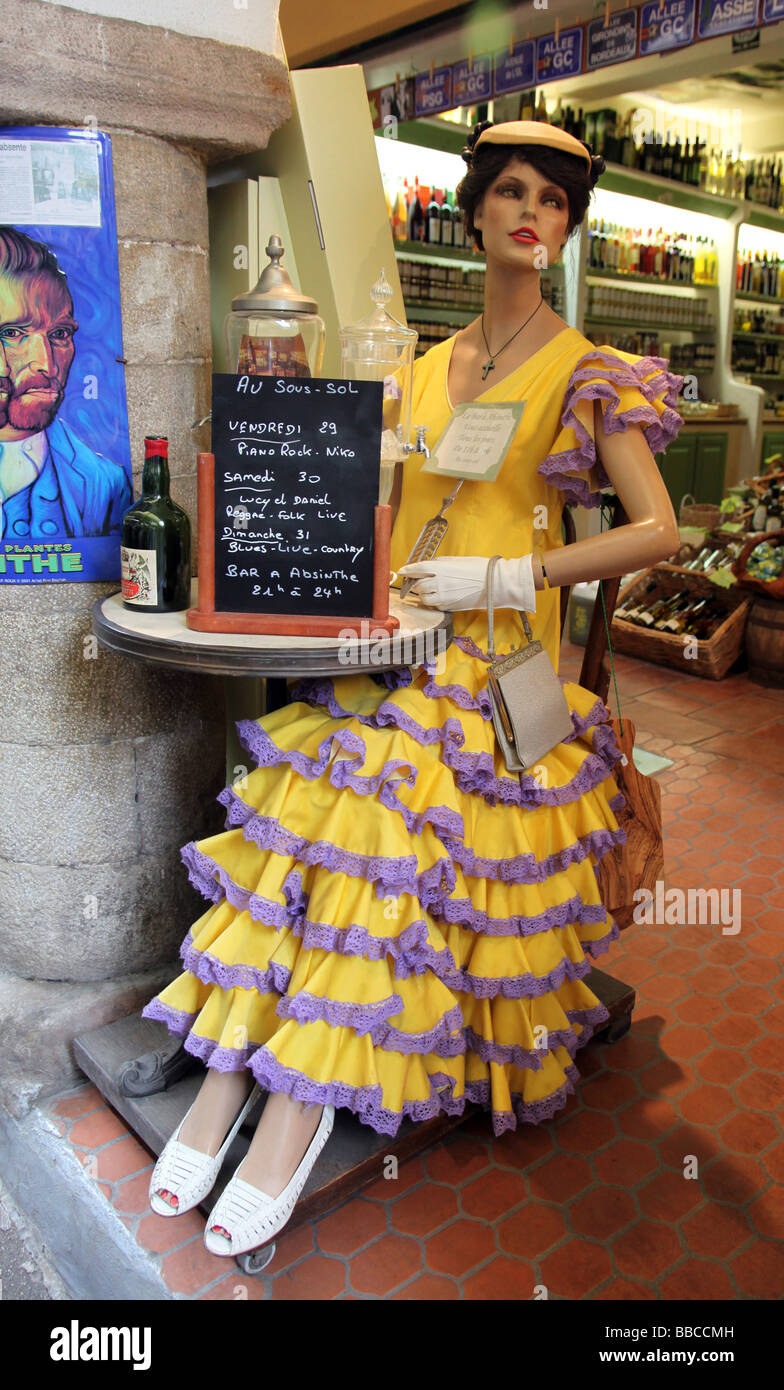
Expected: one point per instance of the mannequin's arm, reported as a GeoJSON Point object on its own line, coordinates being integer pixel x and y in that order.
{"type": "Point", "coordinates": [652, 531]}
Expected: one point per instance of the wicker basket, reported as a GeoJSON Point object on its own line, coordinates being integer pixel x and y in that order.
{"type": "Point", "coordinates": [714, 657]}
{"type": "Point", "coordinates": [703, 514]}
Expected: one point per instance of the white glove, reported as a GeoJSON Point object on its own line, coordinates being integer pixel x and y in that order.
{"type": "Point", "coordinates": [455, 583]}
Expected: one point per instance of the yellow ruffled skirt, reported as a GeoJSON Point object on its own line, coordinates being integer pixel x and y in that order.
{"type": "Point", "coordinates": [397, 924]}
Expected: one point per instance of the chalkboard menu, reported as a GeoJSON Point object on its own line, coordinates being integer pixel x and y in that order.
{"type": "Point", "coordinates": [296, 484]}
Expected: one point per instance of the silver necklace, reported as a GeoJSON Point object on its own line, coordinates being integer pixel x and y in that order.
{"type": "Point", "coordinates": [489, 365]}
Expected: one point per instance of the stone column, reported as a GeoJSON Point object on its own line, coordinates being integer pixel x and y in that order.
{"type": "Point", "coordinates": [107, 765]}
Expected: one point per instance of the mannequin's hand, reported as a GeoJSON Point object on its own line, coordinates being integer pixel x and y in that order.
{"type": "Point", "coordinates": [456, 583]}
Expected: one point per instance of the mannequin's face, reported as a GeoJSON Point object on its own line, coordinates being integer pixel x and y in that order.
{"type": "Point", "coordinates": [522, 200]}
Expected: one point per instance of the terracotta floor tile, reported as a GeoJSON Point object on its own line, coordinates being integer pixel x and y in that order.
{"type": "Point", "coordinates": [188, 1269]}
{"type": "Point", "coordinates": [700, 1008]}
{"type": "Point", "coordinates": [625, 1163]}
{"type": "Point", "coordinates": [773, 1162]}
{"type": "Point", "coordinates": [504, 1279]}
{"type": "Point", "coordinates": [602, 1213]}
{"type": "Point", "coordinates": [648, 1119]}
{"type": "Point", "coordinates": [716, 1230]}
{"type": "Point", "coordinates": [459, 1247]}
{"type": "Point", "coordinates": [389, 1261]}
{"type": "Point", "coordinates": [735, 1030]}
{"type": "Point", "coordinates": [701, 1281]}
{"type": "Point", "coordinates": [429, 1288]}
{"type": "Point", "coordinates": [561, 1177]}
{"type": "Point", "coordinates": [533, 1230]}
{"type": "Point", "coordinates": [162, 1233]}
{"type": "Point", "coordinates": [457, 1161]}
{"type": "Point", "coordinates": [292, 1246]}
{"type": "Point", "coordinates": [624, 1290]}
{"type": "Point", "coordinates": [761, 1090]}
{"type": "Point", "coordinates": [575, 1269]}
{"type": "Point", "coordinates": [352, 1226]}
{"type": "Point", "coordinates": [668, 1197]}
{"type": "Point", "coordinates": [768, 1054]}
{"type": "Point", "coordinates": [647, 1249]}
{"type": "Point", "coordinates": [99, 1127]}
{"type": "Point", "coordinates": [759, 1271]}
{"type": "Point", "coordinates": [585, 1132]}
{"type": "Point", "coordinates": [767, 1213]}
{"type": "Point", "coordinates": [87, 1099]}
{"type": "Point", "coordinates": [122, 1159]}
{"type": "Point", "coordinates": [492, 1196]}
{"type": "Point", "coordinates": [235, 1288]}
{"type": "Point", "coordinates": [707, 1105]}
{"type": "Point", "coordinates": [685, 1041]}
{"type": "Point", "coordinates": [722, 1065]}
{"type": "Point", "coordinates": [314, 1278]}
{"type": "Point", "coordinates": [610, 1092]}
{"type": "Point", "coordinates": [524, 1146]}
{"type": "Point", "coordinates": [132, 1196]}
{"type": "Point", "coordinates": [733, 1178]}
{"type": "Point", "coordinates": [422, 1211]}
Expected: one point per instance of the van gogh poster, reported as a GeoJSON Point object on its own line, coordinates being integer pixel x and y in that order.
{"type": "Point", "coordinates": [65, 464]}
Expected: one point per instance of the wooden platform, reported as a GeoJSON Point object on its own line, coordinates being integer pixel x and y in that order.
{"type": "Point", "coordinates": [354, 1156]}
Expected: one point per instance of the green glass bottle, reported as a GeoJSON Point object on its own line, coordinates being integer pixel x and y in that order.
{"type": "Point", "coordinates": [156, 541]}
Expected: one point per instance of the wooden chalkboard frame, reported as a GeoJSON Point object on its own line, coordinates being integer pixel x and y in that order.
{"type": "Point", "coordinates": [206, 618]}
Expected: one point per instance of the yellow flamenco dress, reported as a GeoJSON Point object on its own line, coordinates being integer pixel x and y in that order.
{"type": "Point", "coordinates": [397, 924]}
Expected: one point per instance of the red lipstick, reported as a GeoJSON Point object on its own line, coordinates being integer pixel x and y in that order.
{"type": "Point", "coordinates": [525, 234]}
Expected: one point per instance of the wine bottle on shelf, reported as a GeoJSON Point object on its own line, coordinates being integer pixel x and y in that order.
{"type": "Point", "coordinates": [416, 223]}
{"type": "Point", "coordinates": [458, 227]}
{"type": "Point", "coordinates": [433, 228]}
{"type": "Point", "coordinates": [446, 220]}
{"type": "Point", "coordinates": [155, 550]}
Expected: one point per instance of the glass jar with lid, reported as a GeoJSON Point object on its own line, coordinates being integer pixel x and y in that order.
{"type": "Point", "coordinates": [273, 330]}
{"type": "Point", "coordinates": [380, 348]}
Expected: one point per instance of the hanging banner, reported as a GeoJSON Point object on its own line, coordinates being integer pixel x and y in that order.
{"type": "Point", "coordinates": [472, 82]}
{"type": "Point", "coordinates": [515, 71]}
{"type": "Point", "coordinates": [724, 16]}
{"type": "Point", "coordinates": [561, 57]}
{"type": "Point", "coordinates": [772, 10]}
{"type": "Point", "coordinates": [615, 42]}
{"type": "Point", "coordinates": [65, 465]}
{"type": "Point", "coordinates": [434, 93]}
{"type": "Point", "coordinates": [666, 26]}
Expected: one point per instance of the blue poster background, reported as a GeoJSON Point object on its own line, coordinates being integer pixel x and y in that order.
{"type": "Point", "coordinates": [563, 58]}
{"type": "Point", "coordinates": [472, 84]}
{"type": "Point", "coordinates": [515, 71]}
{"type": "Point", "coordinates": [94, 405]}
{"type": "Point", "coordinates": [670, 27]}
{"type": "Point", "coordinates": [725, 16]}
{"type": "Point", "coordinates": [772, 10]}
{"type": "Point", "coordinates": [433, 93]}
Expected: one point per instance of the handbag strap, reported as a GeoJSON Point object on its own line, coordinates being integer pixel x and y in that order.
{"type": "Point", "coordinates": [491, 564]}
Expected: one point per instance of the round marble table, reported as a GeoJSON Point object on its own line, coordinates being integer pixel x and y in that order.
{"type": "Point", "coordinates": [256, 665]}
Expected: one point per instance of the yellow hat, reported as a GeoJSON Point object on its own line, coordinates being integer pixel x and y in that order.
{"type": "Point", "coordinates": [534, 133]}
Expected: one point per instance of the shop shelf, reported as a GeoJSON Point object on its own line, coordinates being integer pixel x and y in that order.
{"type": "Point", "coordinates": [626, 277]}
{"type": "Point", "coordinates": [758, 215]}
{"type": "Point", "coordinates": [428, 251]}
{"type": "Point", "coordinates": [440, 313]}
{"type": "Point", "coordinates": [618, 179]}
{"type": "Point", "coordinates": [758, 298]}
{"type": "Point", "coordinates": [650, 326]}
{"type": "Point", "coordinates": [758, 337]}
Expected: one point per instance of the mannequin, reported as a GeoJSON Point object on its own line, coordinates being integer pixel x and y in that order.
{"type": "Point", "coordinates": [502, 192]}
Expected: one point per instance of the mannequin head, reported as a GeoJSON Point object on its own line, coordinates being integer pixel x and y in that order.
{"type": "Point", "coordinates": [512, 185]}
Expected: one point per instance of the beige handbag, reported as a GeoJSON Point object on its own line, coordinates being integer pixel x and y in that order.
{"type": "Point", "coordinates": [530, 713]}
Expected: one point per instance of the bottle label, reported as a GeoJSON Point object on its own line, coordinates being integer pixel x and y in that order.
{"type": "Point", "coordinates": [139, 576]}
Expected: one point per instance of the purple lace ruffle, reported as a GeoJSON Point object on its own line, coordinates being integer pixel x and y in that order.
{"type": "Point", "coordinates": [600, 375]}
{"type": "Point", "coordinates": [474, 772]}
{"type": "Point", "coordinates": [365, 1101]}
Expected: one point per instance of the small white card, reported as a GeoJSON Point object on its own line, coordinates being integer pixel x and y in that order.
{"type": "Point", "coordinates": [476, 440]}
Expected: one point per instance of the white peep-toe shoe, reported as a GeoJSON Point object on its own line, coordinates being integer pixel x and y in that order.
{"type": "Point", "coordinates": [252, 1217]}
{"type": "Point", "coordinates": [187, 1173]}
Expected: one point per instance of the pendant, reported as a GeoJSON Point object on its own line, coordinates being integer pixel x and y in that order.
{"type": "Point", "coordinates": [489, 366]}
